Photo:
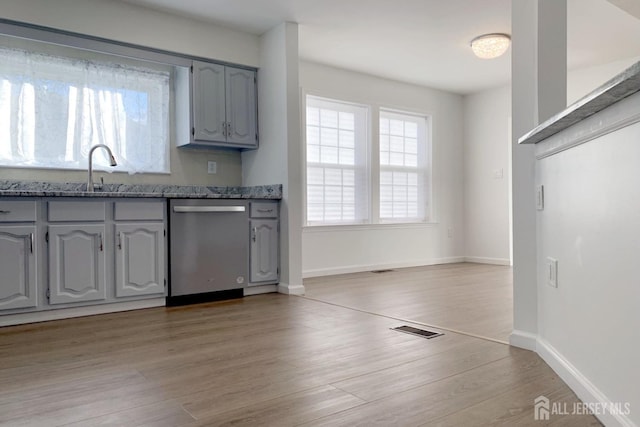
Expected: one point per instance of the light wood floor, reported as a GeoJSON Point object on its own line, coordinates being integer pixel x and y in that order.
{"type": "Point", "coordinates": [472, 298]}
{"type": "Point", "coordinates": [268, 360]}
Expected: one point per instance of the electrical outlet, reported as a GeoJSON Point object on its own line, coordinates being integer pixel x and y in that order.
{"type": "Point", "coordinates": [552, 272]}
{"type": "Point", "coordinates": [212, 167]}
{"type": "Point", "coordinates": [498, 173]}
{"type": "Point", "coordinates": [449, 232]}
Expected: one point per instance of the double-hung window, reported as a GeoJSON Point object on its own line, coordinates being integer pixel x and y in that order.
{"type": "Point", "coordinates": [403, 167]}
{"type": "Point", "coordinates": [337, 173]}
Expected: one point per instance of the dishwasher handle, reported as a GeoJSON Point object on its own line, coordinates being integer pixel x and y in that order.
{"type": "Point", "coordinates": [197, 209]}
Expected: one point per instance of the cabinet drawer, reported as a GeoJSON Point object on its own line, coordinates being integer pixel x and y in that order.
{"type": "Point", "coordinates": [17, 211]}
{"type": "Point", "coordinates": [264, 210]}
{"type": "Point", "coordinates": [131, 211]}
{"type": "Point", "coordinates": [76, 211]}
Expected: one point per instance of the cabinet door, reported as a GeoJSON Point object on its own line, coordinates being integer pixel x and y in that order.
{"type": "Point", "coordinates": [139, 259]}
{"type": "Point", "coordinates": [17, 267]}
{"type": "Point", "coordinates": [76, 263]}
{"type": "Point", "coordinates": [264, 250]}
{"type": "Point", "coordinates": [208, 102]}
{"type": "Point", "coordinates": [241, 106]}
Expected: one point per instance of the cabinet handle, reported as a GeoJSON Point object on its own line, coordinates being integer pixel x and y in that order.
{"type": "Point", "coordinates": [4, 212]}
{"type": "Point", "coordinates": [100, 242]}
{"type": "Point", "coordinates": [119, 240]}
{"type": "Point", "coordinates": [265, 210]}
{"type": "Point", "coordinates": [31, 242]}
{"type": "Point", "coordinates": [224, 129]}
{"type": "Point", "coordinates": [254, 230]}
{"type": "Point", "coordinates": [228, 129]}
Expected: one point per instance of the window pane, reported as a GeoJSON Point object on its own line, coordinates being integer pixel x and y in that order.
{"type": "Point", "coordinates": [329, 137]}
{"type": "Point", "coordinates": [396, 159]}
{"type": "Point", "coordinates": [329, 155]}
{"type": "Point", "coordinates": [411, 160]}
{"type": "Point", "coordinates": [411, 145]}
{"type": "Point", "coordinates": [386, 178]}
{"type": "Point", "coordinates": [347, 121]}
{"type": "Point", "coordinates": [313, 135]}
{"type": "Point", "coordinates": [333, 177]}
{"type": "Point", "coordinates": [347, 156]}
{"type": "Point", "coordinates": [384, 126]}
{"type": "Point", "coordinates": [313, 116]}
{"type": "Point", "coordinates": [328, 118]}
{"type": "Point", "coordinates": [347, 139]}
{"type": "Point", "coordinates": [348, 177]}
{"type": "Point", "coordinates": [315, 194]}
{"type": "Point", "coordinates": [313, 153]}
{"type": "Point", "coordinates": [411, 129]}
{"type": "Point", "coordinates": [333, 194]}
{"type": "Point", "coordinates": [397, 144]}
{"type": "Point", "coordinates": [396, 127]}
{"type": "Point", "coordinates": [315, 176]}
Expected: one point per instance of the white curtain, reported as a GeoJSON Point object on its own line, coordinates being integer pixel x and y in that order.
{"type": "Point", "coordinates": [53, 109]}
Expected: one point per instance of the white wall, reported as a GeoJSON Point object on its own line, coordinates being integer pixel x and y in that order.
{"type": "Point", "coordinates": [486, 118]}
{"type": "Point", "coordinates": [121, 21]}
{"type": "Point", "coordinates": [486, 152]}
{"type": "Point", "coordinates": [278, 160]}
{"type": "Point", "coordinates": [333, 250]}
{"type": "Point", "coordinates": [588, 325]}
{"type": "Point", "coordinates": [583, 81]}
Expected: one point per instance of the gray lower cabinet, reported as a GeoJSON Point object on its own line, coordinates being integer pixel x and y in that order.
{"type": "Point", "coordinates": [59, 253]}
{"type": "Point", "coordinates": [18, 267]}
{"type": "Point", "coordinates": [264, 251]}
{"type": "Point", "coordinates": [76, 263]}
{"type": "Point", "coordinates": [140, 264]}
{"type": "Point", "coordinates": [264, 259]}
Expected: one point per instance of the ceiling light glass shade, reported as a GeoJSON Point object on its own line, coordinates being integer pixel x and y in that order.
{"type": "Point", "coordinates": [489, 46]}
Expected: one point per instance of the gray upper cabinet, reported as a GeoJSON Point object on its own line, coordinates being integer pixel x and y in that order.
{"type": "Point", "coordinates": [241, 106]}
{"type": "Point", "coordinates": [17, 267]}
{"type": "Point", "coordinates": [223, 106]}
{"type": "Point", "coordinates": [208, 97]}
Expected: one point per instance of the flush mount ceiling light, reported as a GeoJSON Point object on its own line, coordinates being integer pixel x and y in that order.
{"type": "Point", "coordinates": [489, 46]}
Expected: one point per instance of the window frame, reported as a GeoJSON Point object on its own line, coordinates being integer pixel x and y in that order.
{"type": "Point", "coordinates": [364, 168]}
{"type": "Point", "coordinates": [373, 179]}
{"type": "Point", "coordinates": [424, 167]}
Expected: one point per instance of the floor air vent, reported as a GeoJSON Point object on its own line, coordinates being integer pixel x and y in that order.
{"type": "Point", "coordinates": [382, 271]}
{"type": "Point", "coordinates": [419, 332]}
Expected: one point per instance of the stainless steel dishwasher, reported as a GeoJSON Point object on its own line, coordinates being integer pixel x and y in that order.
{"type": "Point", "coordinates": [208, 249]}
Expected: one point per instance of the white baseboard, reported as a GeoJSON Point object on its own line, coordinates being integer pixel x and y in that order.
{"type": "Point", "coordinates": [67, 313]}
{"type": "Point", "coordinates": [257, 290]}
{"type": "Point", "coordinates": [285, 288]}
{"type": "Point", "coordinates": [584, 389]}
{"type": "Point", "coordinates": [361, 268]}
{"type": "Point", "coordinates": [522, 339]}
{"type": "Point", "coordinates": [484, 260]}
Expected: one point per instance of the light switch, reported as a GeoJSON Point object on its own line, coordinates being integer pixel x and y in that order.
{"type": "Point", "coordinates": [552, 272]}
{"type": "Point", "coordinates": [498, 173]}
{"type": "Point", "coordinates": [540, 197]}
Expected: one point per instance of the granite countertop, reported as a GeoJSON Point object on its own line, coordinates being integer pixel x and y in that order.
{"type": "Point", "coordinates": [52, 189]}
{"type": "Point", "coordinates": [624, 84]}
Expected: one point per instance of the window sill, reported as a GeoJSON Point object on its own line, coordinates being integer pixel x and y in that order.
{"type": "Point", "coordinates": [360, 227]}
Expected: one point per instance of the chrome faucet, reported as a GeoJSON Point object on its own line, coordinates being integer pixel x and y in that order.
{"type": "Point", "coordinates": [112, 162]}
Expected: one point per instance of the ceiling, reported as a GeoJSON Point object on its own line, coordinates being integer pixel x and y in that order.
{"type": "Point", "coordinates": [424, 42]}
